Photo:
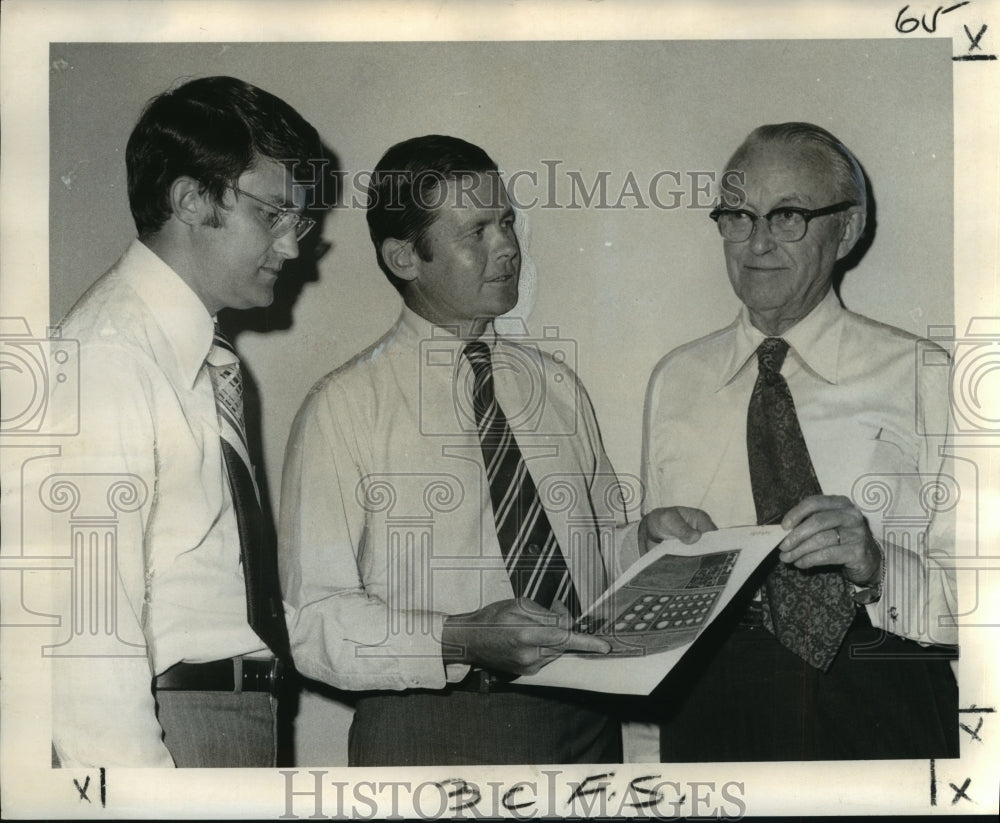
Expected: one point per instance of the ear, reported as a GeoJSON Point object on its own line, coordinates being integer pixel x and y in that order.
{"type": "Point", "coordinates": [853, 227]}
{"type": "Point", "coordinates": [188, 203]}
{"type": "Point", "coordinates": [401, 258]}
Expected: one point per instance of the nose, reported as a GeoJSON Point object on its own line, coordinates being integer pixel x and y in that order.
{"type": "Point", "coordinates": [507, 245]}
{"type": "Point", "coordinates": [287, 246]}
{"type": "Point", "coordinates": [761, 239]}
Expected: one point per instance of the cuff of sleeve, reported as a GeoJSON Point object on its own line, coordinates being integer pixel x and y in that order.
{"type": "Point", "coordinates": [455, 672]}
{"type": "Point", "coordinates": [428, 669]}
{"type": "Point", "coordinates": [871, 593]}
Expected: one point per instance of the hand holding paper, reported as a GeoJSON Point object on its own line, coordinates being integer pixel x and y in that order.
{"type": "Point", "coordinates": [517, 636]}
{"type": "Point", "coordinates": [657, 609]}
{"type": "Point", "coordinates": [681, 522]}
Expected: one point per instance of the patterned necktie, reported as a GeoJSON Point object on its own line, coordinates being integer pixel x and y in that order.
{"type": "Point", "coordinates": [808, 611]}
{"type": "Point", "coordinates": [258, 553]}
{"type": "Point", "coordinates": [532, 556]}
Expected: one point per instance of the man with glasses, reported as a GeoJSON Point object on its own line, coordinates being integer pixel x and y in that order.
{"type": "Point", "coordinates": [803, 413]}
{"type": "Point", "coordinates": [199, 621]}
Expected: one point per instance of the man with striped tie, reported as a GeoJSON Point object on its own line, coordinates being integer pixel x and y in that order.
{"type": "Point", "coordinates": [447, 505]}
{"type": "Point", "coordinates": [193, 676]}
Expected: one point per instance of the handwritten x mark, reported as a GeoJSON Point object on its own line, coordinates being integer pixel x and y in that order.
{"type": "Point", "coordinates": [973, 732]}
{"type": "Point", "coordinates": [86, 785]}
{"type": "Point", "coordinates": [960, 792]}
{"type": "Point", "coordinates": [974, 41]}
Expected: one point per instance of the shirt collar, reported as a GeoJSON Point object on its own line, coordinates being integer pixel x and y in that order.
{"type": "Point", "coordinates": [183, 319]}
{"type": "Point", "coordinates": [413, 328]}
{"type": "Point", "coordinates": [814, 340]}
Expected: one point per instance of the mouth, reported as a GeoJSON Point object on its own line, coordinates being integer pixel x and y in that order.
{"type": "Point", "coordinates": [503, 278]}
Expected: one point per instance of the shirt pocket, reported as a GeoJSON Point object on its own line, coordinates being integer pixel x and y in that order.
{"type": "Point", "coordinates": [891, 450]}
{"type": "Point", "coordinates": [886, 479]}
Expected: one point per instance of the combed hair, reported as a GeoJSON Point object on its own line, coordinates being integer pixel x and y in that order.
{"type": "Point", "coordinates": [213, 130]}
{"type": "Point", "coordinates": [405, 187]}
{"type": "Point", "coordinates": [850, 180]}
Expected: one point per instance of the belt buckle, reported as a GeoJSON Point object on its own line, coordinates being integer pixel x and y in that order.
{"type": "Point", "coordinates": [275, 675]}
{"type": "Point", "coordinates": [255, 679]}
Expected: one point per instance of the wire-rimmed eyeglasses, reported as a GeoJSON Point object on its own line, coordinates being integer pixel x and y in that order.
{"type": "Point", "coordinates": [283, 218]}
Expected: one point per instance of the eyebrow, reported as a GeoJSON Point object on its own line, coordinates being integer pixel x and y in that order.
{"type": "Point", "coordinates": [486, 219]}
{"type": "Point", "coordinates": [279, 199]}
{"type": "Point", "coordinates": [793, 200]}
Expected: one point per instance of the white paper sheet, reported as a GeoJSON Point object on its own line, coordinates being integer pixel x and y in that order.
{"type": "Point", "coordinates": [640, 613]}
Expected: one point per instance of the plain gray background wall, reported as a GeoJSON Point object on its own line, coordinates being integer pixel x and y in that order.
{"type": "Point", "coordinates": [625, 285]}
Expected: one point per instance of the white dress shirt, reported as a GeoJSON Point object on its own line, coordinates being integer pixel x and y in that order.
{"type": "Point", "coordinates": [874, 413]}
{"type": "Point", "coordinates": [386, 523]}
{"type": "Point", "coordinates": [148, 418]}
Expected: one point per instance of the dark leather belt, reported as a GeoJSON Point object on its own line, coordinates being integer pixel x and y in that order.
{"type": "Point", "coordinates": [484, 682]}
{"type": "Point", "coordinates": [235, 674]}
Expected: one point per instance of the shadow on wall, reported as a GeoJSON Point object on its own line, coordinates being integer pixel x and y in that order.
{"type": "Point", "coordinates": [279, 316]}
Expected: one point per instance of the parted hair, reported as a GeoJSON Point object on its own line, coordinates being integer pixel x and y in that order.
{"type": "Point", "coordinates": [213, 130]}
{"type": "Point", "coordinates": [406, 185]}
{"type": "Point", "coordinates": [847, 174]}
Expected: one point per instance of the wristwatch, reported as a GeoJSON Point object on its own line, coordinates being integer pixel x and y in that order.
{"type": "Point", "coordinates": [872, 593]}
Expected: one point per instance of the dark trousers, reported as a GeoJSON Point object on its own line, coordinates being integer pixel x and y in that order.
{"type": "Point", "coordinates": [883, 697]}
{"type": "Point", "coordinates": [452, 727]}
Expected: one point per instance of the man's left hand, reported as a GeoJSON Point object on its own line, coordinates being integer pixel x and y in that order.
{"type": "Point", "coordinates": [829, 530]}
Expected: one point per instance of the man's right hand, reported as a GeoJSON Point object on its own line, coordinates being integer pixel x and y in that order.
{"type": "Point", "coordinates": [683, 522]}
{"type": "Point", "coordinates": [517, 636]}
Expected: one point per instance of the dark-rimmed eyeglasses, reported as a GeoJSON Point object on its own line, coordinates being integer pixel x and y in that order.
{"type": "Point", "coordinates": [283, 218]}
{"type": "Point", "coordinates": [786, 223]}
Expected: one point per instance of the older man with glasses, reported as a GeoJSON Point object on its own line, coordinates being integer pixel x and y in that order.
{"type": "Point", "coordinates": [803, 413]}
{"type": "Point", "coordinates": [198, 614]}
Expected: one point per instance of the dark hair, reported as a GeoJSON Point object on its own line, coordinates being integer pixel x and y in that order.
{"type": "Point", "coordinates": [212, 129]}
{"type": "Point", "coordinates": [848, 177]}
{"type": "Point", "coordinates": [405, 190]}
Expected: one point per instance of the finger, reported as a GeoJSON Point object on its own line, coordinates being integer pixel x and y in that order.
{"type": "Point", "coordinates": [698, 519]}
{"type": "Point", "coordinates": [807, 558]}
{"type": "Point", "coordinates": [664, 523]}
{"type": "Point", "coordinates": [812, 505]}
{"type": "Point", "coordinates": [581, 643]}
{"type": "Point", "coordinates": [537, 613]}
{"type": "Point", "coordinates": [549, 637]}
{"type": "Point", "coordinates": [814, 527]}
{"type": "Point", "coordinates": [587, 643]}
{"type": "Point", "coordinates": [836, 546]}
{"type": "Point", "coordinates": [809, 537]}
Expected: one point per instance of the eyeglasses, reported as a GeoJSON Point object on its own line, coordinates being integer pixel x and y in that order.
{"type": "Point", "coordinates": [283, 218]}
{"type": "Point", "coordinates": [787, 223]}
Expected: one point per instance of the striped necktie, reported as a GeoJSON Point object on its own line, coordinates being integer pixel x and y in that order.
{"type": "Point", "coordinates": [533, 559]}
{"type": "Point", "coordinates": [258, 552]}
{"type": "Point", "coordinates": [809, 611]}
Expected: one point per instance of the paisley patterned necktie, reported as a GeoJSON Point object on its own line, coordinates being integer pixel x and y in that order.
{"type": "Point", "coordinates": [809, 611]}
